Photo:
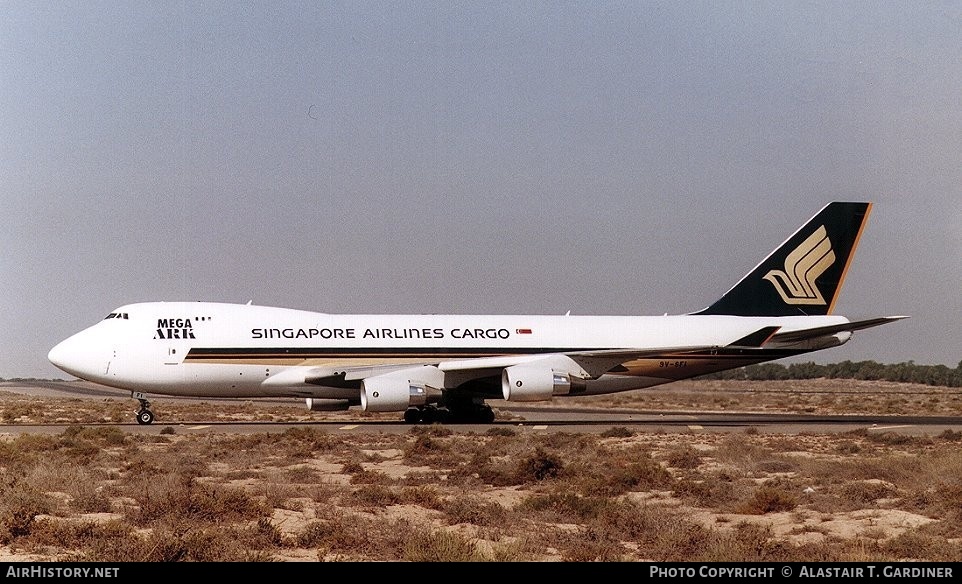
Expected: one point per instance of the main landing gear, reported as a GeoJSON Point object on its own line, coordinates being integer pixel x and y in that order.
{"type": "Point", "coordinates": [430, 414]}
{"type": "Point", "coordinates": [144, 415]}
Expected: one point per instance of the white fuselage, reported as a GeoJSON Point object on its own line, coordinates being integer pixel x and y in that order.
{"type": "Point", "coordinates": [230, 350]}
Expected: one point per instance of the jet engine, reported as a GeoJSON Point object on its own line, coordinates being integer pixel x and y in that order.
{"type": "Point", "coordinates": [400, 390]}
{"type": "Point", "coordinates": [533, 383]}
{"type": "Point", "coordinates": [327, 405]}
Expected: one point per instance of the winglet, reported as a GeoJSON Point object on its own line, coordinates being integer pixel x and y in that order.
{"type": "Point", "coordinates": [804, 275]}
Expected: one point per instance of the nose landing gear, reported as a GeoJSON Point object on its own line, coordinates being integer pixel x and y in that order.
{"type": "Point", "coordinates": [144, 415]}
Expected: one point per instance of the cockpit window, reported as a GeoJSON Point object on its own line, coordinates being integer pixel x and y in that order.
{"type": "Point", "coordinates": [122, 315]}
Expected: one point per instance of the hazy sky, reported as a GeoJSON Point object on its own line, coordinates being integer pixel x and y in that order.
{"type": "Point", "coordinates": [472, 157]}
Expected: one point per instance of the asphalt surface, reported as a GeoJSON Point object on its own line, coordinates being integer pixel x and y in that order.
{"type": "Point", "coordinates": [542, 418]}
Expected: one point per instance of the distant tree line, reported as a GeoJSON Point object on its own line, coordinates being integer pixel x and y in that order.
{"type": "Point", "coordinates": [908, 372]}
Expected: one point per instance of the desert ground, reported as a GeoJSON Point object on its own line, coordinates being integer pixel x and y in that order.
{"type": "Point", "coordinates": [96, 493]}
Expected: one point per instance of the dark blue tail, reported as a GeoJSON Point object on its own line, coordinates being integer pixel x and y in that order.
{"type": "Point", "coordinates": [805, 274]}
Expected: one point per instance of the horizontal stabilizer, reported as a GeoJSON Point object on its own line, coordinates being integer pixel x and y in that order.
{"type": "Point", "coordinates": [813, 333]}
{"type": "Point", "coordinates": [757, 338]}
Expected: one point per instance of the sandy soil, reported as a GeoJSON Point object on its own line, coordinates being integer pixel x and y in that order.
{"type": "Point", "coordinates": [819, 471]}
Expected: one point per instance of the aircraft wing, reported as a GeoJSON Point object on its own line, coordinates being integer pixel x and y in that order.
{"type": "Point", "coordinates": [813, 333]}
{"type": "Point", "coordinates": [585, 364]}
{"type": "Point", "coordinates": [593, 363]}
{"type": "Point", "coordinates": [589, 364]}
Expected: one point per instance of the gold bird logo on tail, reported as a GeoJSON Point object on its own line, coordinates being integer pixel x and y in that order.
{"type": "Point", "coordinates": [796, 284]}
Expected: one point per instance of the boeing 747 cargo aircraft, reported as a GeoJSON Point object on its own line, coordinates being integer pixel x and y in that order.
{"type": "Point", "coordinates": [443, 368]}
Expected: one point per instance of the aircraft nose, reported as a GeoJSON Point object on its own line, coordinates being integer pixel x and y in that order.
{"type": "Point", "coordinates": [73, 355]}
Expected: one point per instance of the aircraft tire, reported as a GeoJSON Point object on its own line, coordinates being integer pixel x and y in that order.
{"type": "Point", "coordinates": [486, 415]}
{"type": "Point", "coordinates": [145, 417]}
{"type": "Point", "coordinates": [428, 415]}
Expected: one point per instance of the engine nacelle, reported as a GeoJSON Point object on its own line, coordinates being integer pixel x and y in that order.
{"type": "Point", "coordinates": [391, 394]}
{"type": "Point", "coordinates": [327, 405]}
{"type": "Point", "coordinates": [533, 383]}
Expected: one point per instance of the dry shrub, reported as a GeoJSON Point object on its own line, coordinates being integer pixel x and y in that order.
{"type": "Point", "coordinates": [114, 541]}
{"type": "Point", "coordinates": [20, 503]}
{"type": "Point", "coordinates": [101, 435]}
{"type": "Point", "coordinates": [711, 491]}
{"type": "Point", "coordinates": [949, 526]}
{"type": "Point", "coordinates": [701, 491]}
{"type": "Point", "coordinates": [741, 451]}
{"type": "Point", "coordinates": [276, 492]}
{"type": "Point", "coordinates": [538, 467]}
{"type": "Point", "coordinates": [625, 520]}
{"type": "Point", "coordinates": [938, 498]}
{"type": "Point", "coordinates": [440, 546]}
{"type": "Point", "coordinates": [619, 477]}
{"type": "Point", "coordinates": [683, 457]}
{"type": "Point", "coordinates": [915, 545]}
{"type": "Point", "coordinates": [894, 468]}
{"type": "Point", "coordinates": [76, 481]}
{"type": "Point", "coordinates": [950, 436]}
{"type": "Point", "coordinates": [424, 478]}
{"type": "Point", "coordinates": [370, 477]}
{"type": "Point", "coordinates": [301, 474]}
{"type": "Point", "coordinates": [474, 511]}
{"type": "Point", "coordinates": [352, 467]}
{"type": "Point", "coordinates": [497, 473]}
{"type": "Point", "coordinates": [207, 544]}
{"type": "Point", "coordinates": [435, 430]}
{"type": "Point", "coordinates": [592, 545]}
{"type": "Point", "coordinates": [187, 499]}
{"type": "Point", "coordinates": [425, 496]}
{"type": "Point", "coordinates": [564, 507]}
{"type": "Point", "coordinates": [747, 542]}
{"type": "Point", "coordinates": [896, 439]}
{"type": "Point", "coordinates": [848, 447]}
{"type": "Point", "coordinates": [519, 550]}
{"type": "Point", "coordinates": [296, 443]}
{"type": "Point", "coordinates": [9, 413]}
{"type": "Point", "coordinates": [859, 494]}
{"type": "Point", "coordinates": [675, 539]}
{"type": "Point", "coordinates": [424, 445]}
{"type": "Point", "coordinates": [118, 542]}
{"type": "Point", "coordinates": [90, 500]}
{"type": "Point", "coordinates": [617, 432]}
{"type": "Point", "coordinates": [26, 448]}
{"type": "Point", "coordinates": [768, 499]}
{"type": "Point", "coordinates": [429, 449]}
{"type": "Point", "coordinates": [340, 533]}
{"type": "Point", "coordinates": [372, 497]}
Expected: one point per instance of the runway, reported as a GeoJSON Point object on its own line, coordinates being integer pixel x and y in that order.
{"type": "Point", "coordinates": [549, 417]}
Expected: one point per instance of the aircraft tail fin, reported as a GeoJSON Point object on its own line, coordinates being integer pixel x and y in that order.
{"type": "Point", "coordinates": [804, 275]}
